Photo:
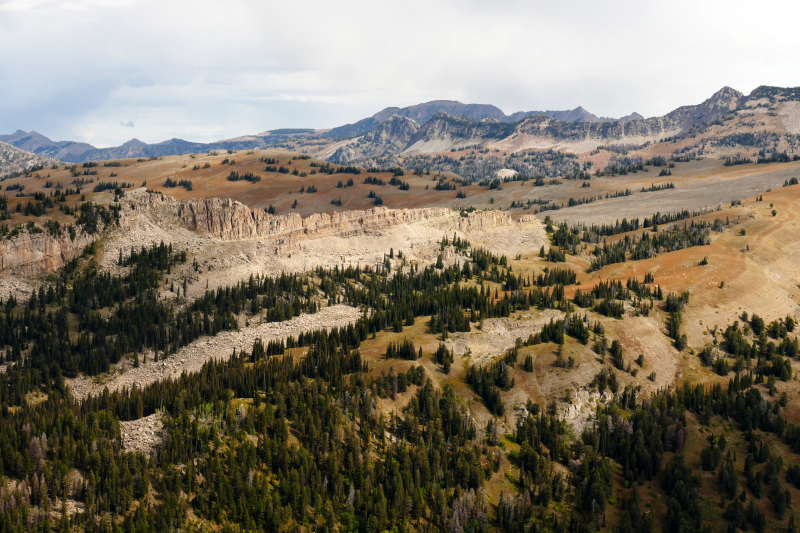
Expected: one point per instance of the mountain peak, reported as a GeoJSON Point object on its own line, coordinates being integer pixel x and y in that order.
{"type": "Point", "coordinates": [133, 143]}
{"type": "Point", "coordinates": [633, 116]}
{"type": "Point", "coordinates": [727, 92]}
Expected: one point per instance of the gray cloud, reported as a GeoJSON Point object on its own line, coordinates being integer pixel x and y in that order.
{"type": "Point", "coordinates": [195, 71]}
{"type": "Point", "coordinates": [128, 124]}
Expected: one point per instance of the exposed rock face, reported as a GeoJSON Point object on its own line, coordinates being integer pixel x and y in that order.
{"type": "Point", "coordinates": [443, 131]}
{"type": "Point", "coordinates": [422, 113]}
{"type": "Point", "coordinates": [30, 255]}
{"type": "Point", "coordinates": [228, 220]}
{"type": "Point", "coordinates": [390, 137]}
{"type": "Point", "coordinates": [394, 134]}
{"type": "Point", "coordinates": [344, 153]}
{"type": "Point", "coordinates": [12, 286]}
{"type": "Point", "coordinates": [721, 102]}
{"type": "Point", "coordinates": [13, 159]}
{"type": "Point", "coordinates": [77, 152]}
{"type": "Point", "coordinates": [231, 220]}
{"type": "Point", "coordinates": [484, 221]}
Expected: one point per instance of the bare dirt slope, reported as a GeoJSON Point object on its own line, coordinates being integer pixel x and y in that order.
{"type": "Point", "coordinates": [698, 185]}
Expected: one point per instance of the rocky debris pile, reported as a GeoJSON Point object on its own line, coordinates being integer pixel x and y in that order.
{"type": "Point", "coordinates": [191, 358]}
{"type": "Point", "coordinates": [142, 435]}
{"type": "Point", "coordinates": [231, 242]}
{"type": "Point", "coordinates": [11, 286]}
{"type": "Point", "coordinates": [580, 412]}
{"type": "Point", "coordinates": [505, 173]}
{"type": "Point", "coordinates": [498, 335]}
{"type": "Point", "coordinates": [140, 231]}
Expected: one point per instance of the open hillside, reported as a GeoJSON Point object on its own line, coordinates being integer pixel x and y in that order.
{"type": "Point", "coordinates": [592, 188]}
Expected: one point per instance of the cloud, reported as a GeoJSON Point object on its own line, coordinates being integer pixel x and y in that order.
{"type": "Point", "coordinates": [128, 124]}
{"type": "Point", "coordinates": [190, 70]}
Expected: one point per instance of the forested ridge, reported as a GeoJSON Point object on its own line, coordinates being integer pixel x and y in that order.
{"type": "Point", "coordinates": [289, 435]}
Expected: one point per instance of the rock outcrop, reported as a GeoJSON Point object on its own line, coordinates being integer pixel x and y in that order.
{"type": "Point", "coordinates": [30, 255]}
{"type": "Point", "coordinates": [231, 220]}
{"type": "Point", "coordinates": [444, 131]}
{"type": "Point", "coordinates": [390, 137]}
{"type": "Point", "coordinates": [13, 159]}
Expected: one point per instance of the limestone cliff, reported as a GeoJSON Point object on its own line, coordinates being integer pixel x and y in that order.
{"type": "Point", "coordinates": [30, 255]}
{"type": "Point", "coordinates": [231, 220]}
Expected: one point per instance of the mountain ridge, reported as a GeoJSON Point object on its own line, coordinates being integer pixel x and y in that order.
{"type": "Point", "coordinates": [423, 112]}
{"type": "Point", "coordinates": [444, 132]}
{"type": "Point", "coordinates": [438, 125]}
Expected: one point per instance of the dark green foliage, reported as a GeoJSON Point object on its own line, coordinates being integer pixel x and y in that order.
{"type": "Point", "coordinates": [328, 168]}
{"type": "Point", "coordinates": [557, 276]}
{"type": "Point", "coordinates": [444, 357]}
{"type": "Point", "coordinates": [247, 176]}
{"type": "Point", "coordinates": [397, 182]}
{"type": "Point", "coordinates": [528, 366]}
{"type": "Point", "coordinates": [108, 185]}
{"type": "Point", "coordinates": [610, 308]}
{"type": "Point", "coordinates": [371, 180]}
{"type": "Point", "coordinates": [659, 187]}
{"type": "Point", "coordinates": [401, 350]}
{"type": "Point", "coordinates": [170, 183]}
{"type": "Point", "coordinates": [616, 355]}
{"type": "Point", "coordinates": [683, 513]}
{"type": "Point", "coordinates": [487, 381]}
{"type": "Point", "coordinates": [442, 185]}
{"type": "Point", "coordinates": [287, 436]}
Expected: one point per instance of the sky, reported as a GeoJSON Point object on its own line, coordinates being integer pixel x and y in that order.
{"type": "Point", "coordinates": [106, 71]}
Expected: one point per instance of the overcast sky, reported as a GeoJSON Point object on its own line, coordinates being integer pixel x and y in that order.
{"type": "Point", "coordinates": [104, 71]}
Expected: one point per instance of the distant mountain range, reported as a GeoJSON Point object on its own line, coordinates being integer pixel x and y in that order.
{"type": "Point", "coordinates": [77, 152]}
{"type": "Point", "coordinates": [444, 125]}
{"type": "Point", "coordinates": [577, 131]}
{"type": "Point", "coordinates": [36, 143]}
{"type": "Point", "coordinates": [422, 113]}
